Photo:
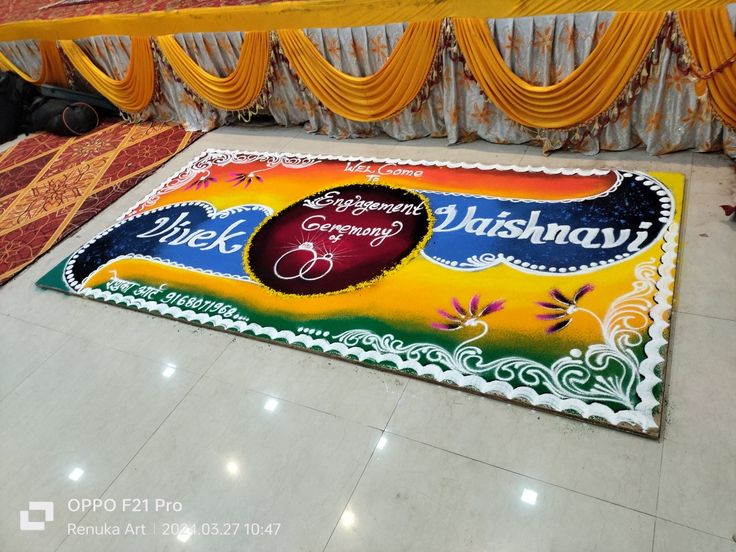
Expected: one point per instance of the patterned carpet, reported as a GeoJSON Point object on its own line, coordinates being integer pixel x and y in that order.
{"type": "Point", "coordinates": [51, 185]}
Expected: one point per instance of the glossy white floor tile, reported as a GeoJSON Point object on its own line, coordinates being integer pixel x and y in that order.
{"type": "Point", "coordinates": [87, 407]}
{"type": "Point", "coordinates": [24, 347]}
{"type": "Point", "coordinates": [416, 497]}
{"type": "Point", "coordinates": [700, 407]}
{"type": "Point", "coordinates": [697, 487]}
{"type": "Point", "coordinates": [634, 159]}
{"type": "Point", "coordinates": [233, 456]}
{"type": "Point", "coordinates": [436, 149]}
{"type": "Point", "coordinates": [707, 280]}
{"type": "Point", "coordinates": [164, 340]}
{"type": "Point", "coordinates": [379, 146]}
{"type": "Point", "coordinates": [340, 388]}
{"type": "Point", "coordinates": [670, 537]}
{"type": "Point", "coordinates": [250, 433]}
{"type": "Point", "coordinates": [584, 458]}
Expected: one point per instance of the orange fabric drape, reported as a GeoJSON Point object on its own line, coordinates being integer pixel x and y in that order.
{"type": "Point", "coordinates": [236, 91]}
{"type": "Point", "coordinates": [711, 40]}
{"type": "Point", "coordinates": [52, 67]}
{"type": "Point", "coordinates": [134, 92]}
{"type": "Point", "coordinates": [375, 97]}
{"type": "Point", "coordinates": [585, 93]}
{"type": "Point", "coordinates": [300, 14]}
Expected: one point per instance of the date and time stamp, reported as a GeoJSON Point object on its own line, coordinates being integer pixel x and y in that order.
{"type": "Point", "coordinates": [183, 531]}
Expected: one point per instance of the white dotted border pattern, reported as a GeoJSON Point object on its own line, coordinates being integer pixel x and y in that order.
{"type": "Point", "coordinates": [666, 216]}
{"type": "Point", "coordinates": [217, 157]}
{"type": "Point", "coordinates": [212, 213]}
{"type": "Point", "coordinates": [640, 417]}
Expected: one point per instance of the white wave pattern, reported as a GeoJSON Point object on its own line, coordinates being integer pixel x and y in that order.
{"type": "Point", "coordinates": [575, 382]}
{"type": "Point", "coordinates": [608, 372]}
{"type": "Point", "coordinates": [212, 157]}
{"type": "Point", "coordinates": [219, 158]}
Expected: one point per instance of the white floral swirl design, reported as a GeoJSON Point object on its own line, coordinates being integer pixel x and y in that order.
{"type": "Point", "coordinates": [415, 357]}
{"type": "Point", "coordinates": [629, 314]}
{"type": "Point", "coordinates": [575, 378]}
{"type": "Point", "coordinates": [479, 262]}
{"type": "Point", "coordinates": [218, 158]}
{"type": "Point", "coordinates": [388, 344]}
{"type": "Point", "coordinates": [607, 372]}
{"type": "Point", "coordinates": [212, 157]}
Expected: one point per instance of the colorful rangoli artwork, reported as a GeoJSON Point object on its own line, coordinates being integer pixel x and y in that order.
{"type": "Point", "coordinates": [551, 288]}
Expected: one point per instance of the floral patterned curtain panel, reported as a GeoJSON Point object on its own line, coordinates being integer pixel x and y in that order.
{"type": "Point", "coordinates": [358, 52]}
{"type": "Point", "coordinates": [48, 66]}
{"type": "Point", "coordinates": [668, 115]}
{"type": "Point", "coordinates": [131, 92]}
{"type": "Point", "coordinates": [667, 110]}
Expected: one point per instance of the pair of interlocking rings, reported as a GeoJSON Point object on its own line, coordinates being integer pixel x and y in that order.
{"type": "Point", "coordinates": [315, 267]}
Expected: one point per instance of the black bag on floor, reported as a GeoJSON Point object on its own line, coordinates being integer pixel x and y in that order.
{"type": "Point", "coordinates": [15, 95]}
{"type": "Point", "coordinates": [63, 118]}
{"type": "Point", "coordinates": [10, 119]}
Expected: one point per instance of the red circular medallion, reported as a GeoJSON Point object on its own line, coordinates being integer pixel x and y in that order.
{"type": "Point", "coordinates": [338, 239]}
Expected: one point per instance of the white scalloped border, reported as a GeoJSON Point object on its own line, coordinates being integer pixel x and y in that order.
{"type": "Point", "coordinates": [202, 163]}
{"type": "Point", "coordinates": [642, 416]}
{"type": "Point", "coordinates": [212, 213]}
{"type": "Point", "coordinates": [644, 179]}
{"type": "Point", "coordinates": [217, 156]}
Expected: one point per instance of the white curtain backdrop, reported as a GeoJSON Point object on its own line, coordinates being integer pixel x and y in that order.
{"type": "Point", "coordinates": [667, 116]}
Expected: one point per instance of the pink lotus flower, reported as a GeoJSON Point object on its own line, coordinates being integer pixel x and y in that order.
{"type": "Point", "coordinates": [239, 178]}
{"type": "Point", "coordinates": [462, 317]}
{"type": "Point", "coordinates": [201, 183]}
{"type": "Point", "coordinates": [563, 308]}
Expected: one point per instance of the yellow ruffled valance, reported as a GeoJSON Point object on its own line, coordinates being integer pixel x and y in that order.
{"type": "Point", "coordinates": [612, 73]}
{"type": "Point", "coordinates": [583, 94]}
{"type": "Point", "coordinates": [237, 90]}
{"type": "Point", "coordinates": [132, 93]}
{"type": "Point", "coordinates": [52, 67]}
{"type": "Point", "coordinates": [711, 40]}
{"type": "Point", "coordinates": [300, 14]}
{"type": "Point", "coordinates": [371, 98]}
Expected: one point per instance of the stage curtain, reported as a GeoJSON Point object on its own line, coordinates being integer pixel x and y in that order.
{"type": "Point", "coordinates": [236, 91]}
{"type": "Point", "coordinates": [585, 93]}
{"type": "Point", "coordinates": [711, 40]}
{"type": "Point", "coordinates": [377, 96]}
{"type": "Point", "coordinates": [132, 93]}
{"type": "Point", "coordinates": [299, 14]}
{"type": "Point", "coordinates": [52, 67]}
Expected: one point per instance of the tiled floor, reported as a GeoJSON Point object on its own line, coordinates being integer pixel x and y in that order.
{"type": "Point", "coordinates": [368, 461]}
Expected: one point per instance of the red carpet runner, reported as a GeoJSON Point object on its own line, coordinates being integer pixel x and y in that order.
{"type": "Point", "coordinates": [51, 185]}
